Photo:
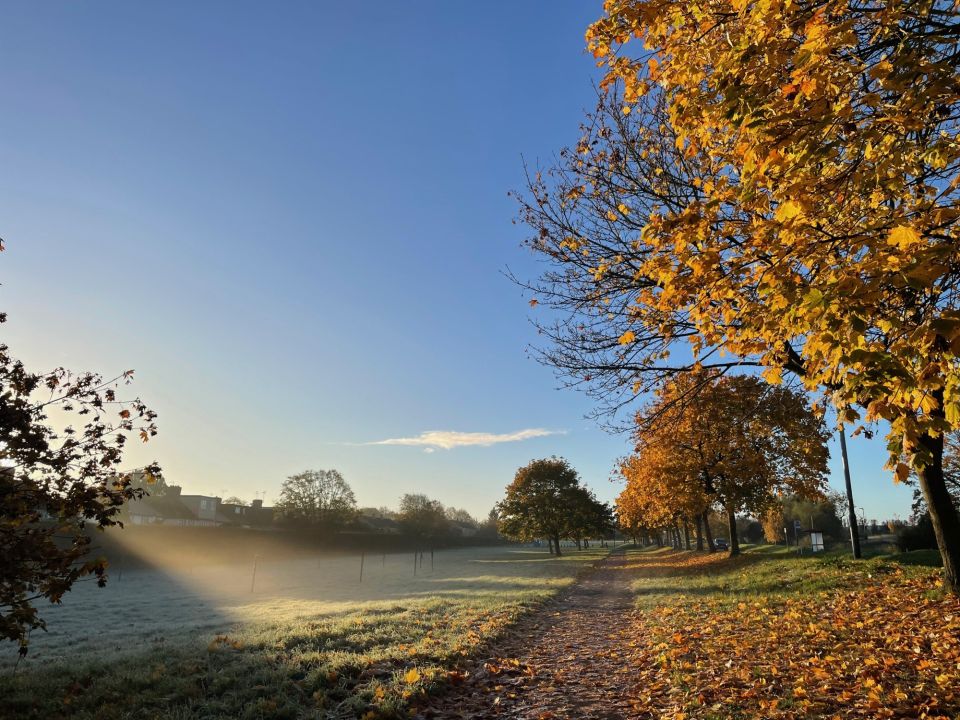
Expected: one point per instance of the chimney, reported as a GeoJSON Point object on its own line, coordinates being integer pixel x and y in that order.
{"type": "Point", "coordinates": [257, 504]}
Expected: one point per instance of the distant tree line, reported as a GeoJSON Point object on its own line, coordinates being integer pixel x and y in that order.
{"type": "Point", "coordinates": [323, 500]}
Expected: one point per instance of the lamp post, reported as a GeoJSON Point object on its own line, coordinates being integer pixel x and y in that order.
{"type": "Point", "coordinates": [854, 534]}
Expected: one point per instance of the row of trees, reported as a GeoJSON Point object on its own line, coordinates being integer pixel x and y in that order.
{"type": "Point", "coordinates": [323, 500]}
{"type": "Point", "coordinates": [546, 500]}
{"type": "Point", "coordinates": [708, 441]}
{"type": "Point", "coordinates": [770, 186]}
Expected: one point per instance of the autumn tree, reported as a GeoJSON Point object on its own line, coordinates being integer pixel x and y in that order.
{"type": "Point", "coordinates": [421, 517]}
{"type": "Point", "coordinates": [540, 502]}
{"type": "Point", "coordinates": [774, 521]}
{"type": "Point", "coordinates": [826, 241]}
{"type": "Point", "coordinates": [586, 517]}
{"type": "Point", "coordinates": [737, 443]}
{"type": "Point", "coordinates": [317, 498]}
{"type": "Point", "coordinates": [62, 440]}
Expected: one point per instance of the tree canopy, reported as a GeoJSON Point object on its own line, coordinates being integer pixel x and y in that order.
{"type": "Point", "coordinates": [770, 184]}
{"type": "Point", "coordinates": [59, 480]}
{"type": "Point", "coordinates": [421, 517]}
{"type": "Point", "coordinates": [318, 498]}
{"type": "Point", "coordinates": [738, 443]}
{"type": "Point", "coordinates": [547, 500]}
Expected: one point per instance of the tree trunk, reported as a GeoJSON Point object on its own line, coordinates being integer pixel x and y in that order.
{"type": "Point", "coordinates": [686, 534]}
{"type": "Point", "coordinates": [699, 532]}
{"type": "Point", "coordinates": [943, 514]}
{"type": "Point", "coordinates": [556, 542]}
{"type": "Point", "coordinates": [708, 531]}
{"type": "Point", "coordinates": [732, 524]}
{"type": "Point", "coordinates": [579, 547]}
{"type": "Point", "coordinates": [550, 545]}
{"type": "Point", "coordinates": [659, 540]}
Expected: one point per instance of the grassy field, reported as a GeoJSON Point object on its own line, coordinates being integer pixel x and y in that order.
{"type": "Point", "coordinates": [773, 635]}
{"type": "Point", "coordinates": [310, 640]}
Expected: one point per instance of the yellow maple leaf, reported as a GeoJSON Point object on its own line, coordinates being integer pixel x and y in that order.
{"type": "Point", "coordinates": [903, 237]}
{"type": "Point", "coordinates": [628, 337]}
{"type": "Point", "coordinates": [411, 676]}
{"type": "Point", "coordinates": [788, 211]}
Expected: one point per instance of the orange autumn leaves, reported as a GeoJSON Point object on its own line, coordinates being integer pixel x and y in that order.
{"type": "Point", "coordinates": [731, 443]}
{"type": "Point", "coordinates": [881, 645]}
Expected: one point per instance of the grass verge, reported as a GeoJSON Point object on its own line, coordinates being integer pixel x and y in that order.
{"type": "Point", "coordinates": [372, 660]}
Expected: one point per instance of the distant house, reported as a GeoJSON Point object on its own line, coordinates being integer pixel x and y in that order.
{"type": "Point", "coordinates": [204, 508]}
{"type": "Point", "coordinates": [259, 515]}
{"type": "Point", "coordinates": [253, 515]}
{"type": "Point", "coordinates": [462, 529]}
{"type": "Point", "coordinates": [233, 514]}
{"type": "Point", "coordinates": [379, 524]}
{"type": "Point", "coordinates": [164, 509]}
{"type": "Point", "coordinates": [171, 507]}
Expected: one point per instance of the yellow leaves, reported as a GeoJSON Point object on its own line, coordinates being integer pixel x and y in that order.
{"type": "Point", "coordinates": [612, 216]}
{"type": "Point", "coordinates": [788, 211]}
{"type": "Point", "coordinates": [773, 375]}
{"type": "Point", "coordinates": [903, 237]}
{"type": "Point", "coordinates": [628, 337]}
{"type": "Point", "coordinates": [819, 176]}
{"type": "Point", "coordinates": [817, 32]}
{"type": "Point", "coordinates": [412, 676]}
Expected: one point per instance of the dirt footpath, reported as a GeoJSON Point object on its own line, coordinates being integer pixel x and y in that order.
{"type": "Point", "coordinates": [562, 662]}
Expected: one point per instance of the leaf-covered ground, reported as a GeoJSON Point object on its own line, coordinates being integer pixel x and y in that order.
{"type": "Point", "coordinates": [793, 638]}
{"type": "Point", "coordinates": [705, 636]}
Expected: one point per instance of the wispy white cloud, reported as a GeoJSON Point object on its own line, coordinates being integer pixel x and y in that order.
{"type": "Point", "coordinates": [448, 439]}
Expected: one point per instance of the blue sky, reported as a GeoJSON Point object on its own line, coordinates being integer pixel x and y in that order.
{"type": "Point", "coordinates": [292, 222]}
